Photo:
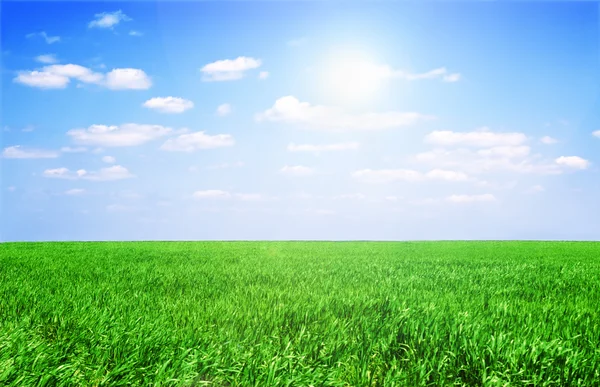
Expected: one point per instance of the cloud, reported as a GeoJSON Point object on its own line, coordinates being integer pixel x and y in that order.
{"type": "Point", "coordinates": [575, 162]}
{"type": "Point", "coordinates": [12, 188]}
{"type": "Point", "coordinates": [118, 135]}
{"type": "Point", "coordinates": [42, 80]}
{"type": "Point", "coordinates": [229, 69]}
{"type": "Point", "coordinates": [381, 176]}
{"type": "Point", "coordinates": [323, 148]}
{"type": "Point", "coordinates": [116, 172]}
{"type": "Point", "coordinates": [535, 189]}
{"type": "Point", "coordinates": [354, 196]}
{"type": "Point", "coordinates": [169, 104]}
{"type": "Point", "coordinates": [392, 198]}
{"type": "Point", "coordinates": [211, 194]}
{"type": "Point", "coordinates": [46, 59]}
{"type": "Point", "coordinates": [108, 19]}
{"type": "Point", "coordinates": [506, 151]}
{"type": "Point", "coordinates": [68, 149]}
{"type": "Point", "coordinates": [224, 110]}
{"type": "Point", "coordinates": [190, 142]}
{"type": "Point", "coordinates": [109, 159]}
{"type": "Point", "coordinates": [17, 152]}
{"type": "Point", "coordinates": [135, 33]}
{"type": "Point", "coordinates": [482, 137]}
{"type": "Point", "coordinates": [387, 175]}
{"type": "Point", "coordinates": [290, 110]}
{"type": "Point", "coordinates": [121, 79]}
{"type": "Point", "coordinates": [75, 192]}
{"type": "Point", "coordinates": [43, 34]}
{"type": "Point", "coordinates": [548, 140]}
{"type": "Point", "coordinates": [471, 198]}
{"type": "Point", "coordinates": [440, 174]}
{"type": "Point", "coordinates": [59, 76]}
{"type": "Point", "coordinates": [297, 42]}
{"type": "Point", "coordinates": [296, 170]}
{"type": "Point", "coordinates": [226, 165]}
{"type": "Point", "coordinates": [596, 133]}
{"type": "Point", "coordinates": [263, 75]}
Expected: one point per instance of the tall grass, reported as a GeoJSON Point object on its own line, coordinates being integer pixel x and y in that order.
{"type": "Point", "coordinates": [300, 314]}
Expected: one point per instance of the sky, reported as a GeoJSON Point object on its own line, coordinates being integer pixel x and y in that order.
{"type": "Point", "coordinates": [299, 120]}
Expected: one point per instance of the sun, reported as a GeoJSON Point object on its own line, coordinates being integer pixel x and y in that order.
{"type": "Point", "coordinates": [351, 77]}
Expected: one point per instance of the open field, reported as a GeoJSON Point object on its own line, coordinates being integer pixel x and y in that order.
{"type": "Point", "coordinates": [300, 314]}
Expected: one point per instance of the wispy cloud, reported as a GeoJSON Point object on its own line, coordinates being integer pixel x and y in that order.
{"type": "Point", "coordinates": [18, 152]}
{"type": "Point", "coordinates": [59, 76]}
{"type": "Point", "coordinates": [108, 19]}
{"type": "Point", "coordinates": [290, 110]}
{"type": "Point", "coordinates": [297, 170]}
{"type": "Point", "coordinates": [323, 148]}
{"type": "Point", "coordinates": [169, 104]}
{"type": "Point", "coordinates": [224, 110]}
{"type": "Point", "coordinates": [118, 135]}
{"type": "Point", "coordinates": [190, 142]}
{"type": "Point", "coordinates": [115, 172]}
{"type": "Point", "coordinates": [229, 69]}
{"type": "Point", "coordinates": [45, 36]}
{"type": "Point", "coordinates": [46, 59]}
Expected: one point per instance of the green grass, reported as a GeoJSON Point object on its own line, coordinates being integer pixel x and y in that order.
{"type": "Point", "coordinates": [300, 313]}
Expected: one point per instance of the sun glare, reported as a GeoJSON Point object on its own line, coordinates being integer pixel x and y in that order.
{"type": "Point", "coordinates": [352, 77]}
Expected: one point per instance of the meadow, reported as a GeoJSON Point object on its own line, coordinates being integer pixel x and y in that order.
{"type": "Point", "coordinates": [300, 314]}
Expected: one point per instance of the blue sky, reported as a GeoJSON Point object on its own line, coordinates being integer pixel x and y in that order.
{"type": "Point", "coordinates": [300, 120]}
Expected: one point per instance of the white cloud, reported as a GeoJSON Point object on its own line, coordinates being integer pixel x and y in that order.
{"type": "Point", "coordinates": [226, 165]}
{"type": "Point", "coordinates": [440, 174]}
{"type": "Point", "coordinates": [548, 140]}
{"type": "Point", "coordinates": [211, 194]}
{"type": "Point", "coordinates": [120, 208]}
{"type": "Point", "coordinates": [386, 175]}
{"type": "Point", "coordinates": [46, 58]}
{"type": "Point", "coordinates": [219, 194]}
{"type": "Point", "coordinates": [59, 76]}
{"type": "Point", "coordinates": [573, 162]}
{"type": "Point", "coordinates": [43, 34]}
{"type": "Point", "coordinates": [323, 148]}
{"type": "Point", "coordinates": [135, 33]}
{"type": "Point", "coordinates": [229, 69]}
{"type": "Point", "coordinates": [134, 79]}
{"type": "Point", "coordinates": [297, 42]}
{"type": "Point", "coordinates": [197, 140]}
{"type": "Point", "coordinates": [116, 172]}
{"type": "Point", "coordinates": [263, 75]}
{"type": "Point", "coordinates": [354, 196]}
{"type": "Point", "coordinates": [122, 135]}
{"type": "Point", "coordinates": [296, 170]}
{"type": "Point", "coordinates": [68, 149]}
{"type": "Point", "coordinates": [109, 159]}
{"type": "Point", "coordinates": [506, 151]}
{"type": "Point", "coordinates": [596, 133]}
{"type": "Point", "coordinates": [482, 137]}
{"type": "Point", "coordinates": [169, 104]}
{"type": "Point", "coordinates": [108, 19]}
{"type": "Point", "coordinates": [510, 159]}
{"type": "Point", "coordinates": [75, 192]}
{"type": "Point", "coordinates": [42, 79]}
{"type": "Point", "coordinates": [224, 109]}
{"type": "Point", "coordinates": [452, 77]}
{"type": "Point", "coordinates": [290, 110]}
{"type": "Point", "coordinates": [391, 175]}
{"type": "Point", "coordinates": [17, 152]}
{"type": "Point", "coordinates": [471, 198]}
{"type": "Point", "coordinates": [535, 189]}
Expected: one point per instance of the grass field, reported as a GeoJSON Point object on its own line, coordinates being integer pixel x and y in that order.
{"type": "Point", "coordinates": [300, 314]}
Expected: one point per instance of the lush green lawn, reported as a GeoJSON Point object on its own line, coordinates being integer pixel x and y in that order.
{"type": "Point", "coordinates": [300, 314]}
